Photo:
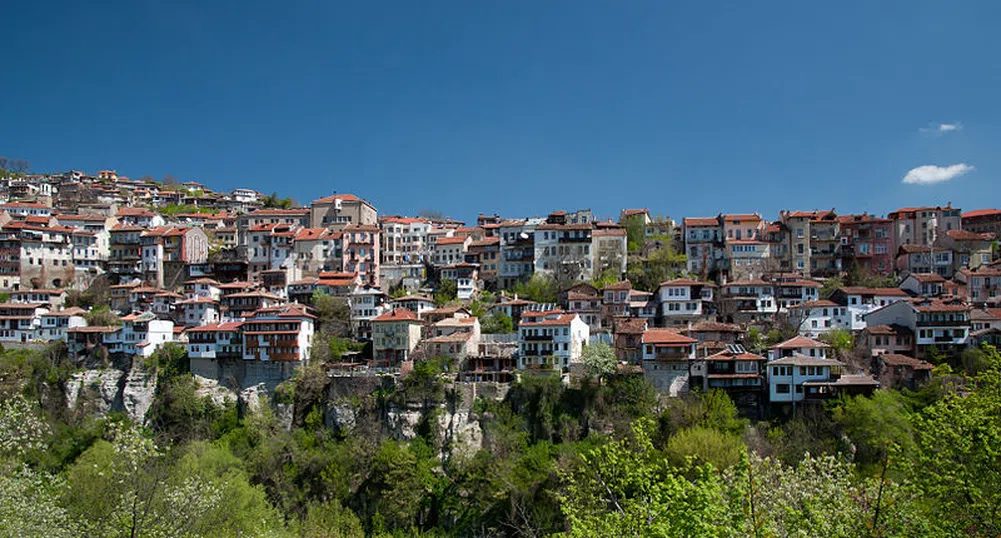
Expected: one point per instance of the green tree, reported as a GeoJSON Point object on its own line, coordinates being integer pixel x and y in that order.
{"type": "Point", "coordinates": [539, 288]}
{"type": "Point", "coordinates": [700, 445]}
{"type": "Point", "coordinates": [878, 426]}
{"type": "Point", "coordinates": [599, 360]}
{"type": "Point", "coordinates": [830, 286]}
{"type": "Point", "coordinates": [333, 315]}
{"type": "Point", "coordinates": [102, 316]}
{"type": "Point", "coordinates": [331, 520]}
{"type": "Point", "coordinates": [840, 340]}
{"type": "Point", "coordinates": [635, 234]}
{"type": "Point", "coordinates": [445, 292]}
{"type": "Point", "coordinates": [958, 449]}
{"type": "Point", "coordinates": [496, 323]}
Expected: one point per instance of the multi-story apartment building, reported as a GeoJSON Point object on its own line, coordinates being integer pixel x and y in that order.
{"type": "Point", "coordinates": [982, 285]}
{"type": "Point", "coordinates": [404, 240]}
{"type": "Point", "coordinates": [279, 333]}
{"type": "Point", "coordinates": [517, 251]}
{"type": "Point", "coordinates": [564, 250]}
{"type": "Point", "coordinates": [913, 258]}
{"type": "Point", "coordinates": [46, 256]}
{"type": "Point", "coordinates": [704, 244]}
{"type": "Point", "coordinates": [124, 260]}
{"type": "Point", "coordinates": [339, 210]}
{"type": "Point", "coordinates": [982, 221]}
{"type": "Point", "coordinates": [247, 221]}
{"type": "Point", "coordinates": [747, 300]}
{"type": "Point", "coordinates": [868, 241]}
{"type": "Point", "coordinates": [486, 253]}
{"type": "Point", "coordinates": [969, 250]}
{"type": "Point", "coordinates": [609, 249]}
{"type": "Point", "coordinates": [169, 244]}
{"type": "Point", "coordinates": [922, 225]}
{"type": "Point", "coordinates": [361, 252]}
{"type": "Point", "coordinates": [449, 250]}
{"type": "Point", "coordinates": [814, 241]}
{"type": "Point", "coordinates": [395, 336]}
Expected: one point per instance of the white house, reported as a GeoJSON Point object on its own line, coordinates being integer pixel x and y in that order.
{"type": "Point", "coordinates": [141, 334]}
{"type": "Point", "coordinates": [944, 325]}
{"type": "Point", "coordinates": [860, 301]}
{"type": "Point", "coordinates": [54, 325]}
{"type": "Point", "coordinates": [680, 301]}
{"type": "Point", "coordinates": [797, 377]}
{"type": "Point", "coordinates": [551, 340]}
{"type": "Point", "coordinates": [278, 333]}
{"type": "Point", "coordinates": [198, 311]}
{"type": "Point", "coordinates": [815, 318]}
{"type": "Point", "coordinates": [923, 284]}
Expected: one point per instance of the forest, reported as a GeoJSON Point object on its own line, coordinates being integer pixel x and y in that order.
{"type": "Point", "coordinates": [603, 457]}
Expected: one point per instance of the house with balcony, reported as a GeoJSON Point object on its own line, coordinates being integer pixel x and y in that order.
{"type": "Point", "coordinates": [493, 361]}
{"type": "Point", "coordinates": [54, 325]}
{"type": "Point", "coordinates": [208, 344]}
{"type": "Point", "coordinates": [20, 322]}
{"type": "Point", "coordinates": [644, 305]}
{"type": "Point", "coordinates": [395, 336]}
{"type": "Point", "coordinates": [943, 325]}
{"type": "Point", "coordinates": [449, 250]}
{"type": "Point", "coordinates": [361, 252]}
{"type": "Point", "coordinates": [51, 298]}
{"type": "Point", "coordinates": [564, 250]}
{"type": "Point", "coordinates": [704, 244]}
{"type": "Point", "coordinates": [515, 307]}
{"type": "Point", "coordinates": [923, 284]}
{"type": "Point", "coordinates": [680, 302]}
{"type": "Point", "coordinates": [922, 225]}
{"type": "Point", "coordinates": [868, 241]}
{"type": "Point", "coordinates": [455, 338]}
{"type": "Point", "coordinates": [202, 287]}
{"type": "Point", "coordinates": [982, 221]}
{"type": "Point", "coordinates": [735, 371]}
{"type": "Point", "coordinates": [744, 301]}
{"type": "Point", "coordinates": [517, 251]}
{"type": "Point", "coordinates": [124, 260]}
{"type": "Point", "coordinates": [792, 289]}
{"type": "Point", "coordinates": [366, 305]}
{"type": "Point", "coordinates": [666, 362]}
{"type": "Point", "coordinates": [236, 306]}
{"type": "Point", "coordinates": [969, 250]}
{"type": "Point", "coordinates": [798, 378]}
{"type": "Point", "coordinates": [714, 336]}
{"type": "Point", "coordinates": [627, 339]}
{"type": "Point", "coordinates": [551, 341]}
{"type": "Point", "coordinates": [141, 334]}
{"type": "Point", "coordinates": [197, 311]}
{"type": "Point", "coordinates": [279, 334]}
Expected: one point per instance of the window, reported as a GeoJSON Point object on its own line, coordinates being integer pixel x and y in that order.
{"type": "Point", "coordinates": [782, 388]}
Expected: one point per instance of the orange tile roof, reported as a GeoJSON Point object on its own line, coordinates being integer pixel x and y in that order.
{"type": "Point", "coordinates": [982, 213]}
{"type": "Point", "coordinates": [342, 197]}
{"type": "Point", "coordinates": [798, 342]}
{"type": "Point", "coordinates": [668, 337]}
{"type": "Point", "coordinates": [397, 314]}
{"type": "Point", "coordinates": [699, 221]}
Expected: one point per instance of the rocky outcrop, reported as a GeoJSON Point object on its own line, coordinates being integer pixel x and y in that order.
{"type": "Point", "coordinates": [96, 391]}
{"type": "Point", "coordinates": [138, 394]}
{"type": "Point", "coordinates": [211, 389]}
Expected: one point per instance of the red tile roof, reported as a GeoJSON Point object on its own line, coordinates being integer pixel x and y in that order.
{"type": "Point", "coordinates": [562, 319]}
{"type": "Point", "coordinates": [982, 213]}
{"type": "Point", "coordinates": [964, 235]}
{"type": "Point", "coordinates": [679, 282]}
{"type": "Point", "coordinates": [699, 221]}
{"type": "Point", "coordinates": [342, 197]}
{"type": "Point", "coordinates": [881, 292]}
{"type": "Point", "coordinates": [667, 337]}
{"type": "Point", "coordinates": [397, 314]}
{"type": "Point", "coordinates": [895, 359]}
{"type": "Point", "coordinates": [798, 342]}
{"type": "Point", "coordinates": [452, 240]}
{"type": "Point", "coordinates": [749, 216]}
{"type": "Point", "coordinates": [927, 278]}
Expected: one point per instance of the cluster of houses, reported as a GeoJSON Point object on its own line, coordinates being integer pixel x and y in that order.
{"type": "Point", "coordinates": [233, 278]}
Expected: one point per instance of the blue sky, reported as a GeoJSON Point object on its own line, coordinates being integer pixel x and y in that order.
{"type": "Point", "coordinates": [519, 107]}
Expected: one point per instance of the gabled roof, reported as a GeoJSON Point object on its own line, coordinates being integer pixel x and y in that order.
{"type": "Point", "coordinates": [965, 235]}
{"type": "Point", "coordinates": [727, 355]}
{"type": "Point", "coordinates": [668, 337]}
{"type": "Point", "coordinates": [927, 278]}
{"type": "Point", "coordinates": [699, 221]}
{"type": "Point", "coordinates": [218, 327]}
{"type": "Point", "coordinates": [803, 360]}
{"type": "Point", "coordinates": [332, 198]}
{"type": "Point", "coordinates": [887, 330]}
{"type": "Point", "coordinates": [562, 319]}
{"type": "Point", "coordinates": [881, 292]}
{"type": "Point", "coordinates": [715, 327]}
{"type": "Point", "coordinates": [982, 213]}
{"type": "Point", "coordinates": [797, 342]}
{"type": "Point", "coordinates": [452, 240]}
{"type": "Point", "coordinates": [896, 359]}
{"type": "Point", "coordinates": [681, 282]}
{"type": "Point", "coordinates": [397, 314]}
{"type": "Point", "coordinates": [822, 303]}
{"type": "Point", "coordinates": [619, 286]}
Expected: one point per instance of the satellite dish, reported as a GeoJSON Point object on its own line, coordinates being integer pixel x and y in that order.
{"type": "Point", "coordinates": [523, 235]}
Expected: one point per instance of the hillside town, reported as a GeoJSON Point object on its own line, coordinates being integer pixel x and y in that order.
{"type": "Point", "coordinates": [776, 310]}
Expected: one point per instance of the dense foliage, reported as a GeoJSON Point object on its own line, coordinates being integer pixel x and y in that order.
{"type": "Point", "coordinates": [604, 457]}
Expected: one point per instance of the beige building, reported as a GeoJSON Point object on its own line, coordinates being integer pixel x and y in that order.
{"type": "Point", "coordinates": [395, 336]}
{"type": "Point", "coordinates": [339, 210]}
{"type": "Point", "coordinates": [922, 225]}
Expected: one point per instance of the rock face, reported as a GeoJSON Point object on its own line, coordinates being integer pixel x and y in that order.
{"type": "Point", "coordinates": [138, 394]}
{"type": "Point", "coordinates": [211, 389]}
{"type": "Point", "coordinates": [105, 390]}
{"type": "Point", "coordinates": [96, 391]}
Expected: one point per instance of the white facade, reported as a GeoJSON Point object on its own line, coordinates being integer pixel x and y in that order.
{"type": "Point", "coordinates": [551, 341]}
{"type": "Point", "coordinates": [786, 376]}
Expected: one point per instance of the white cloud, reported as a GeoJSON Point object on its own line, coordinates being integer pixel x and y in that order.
{"type": "Point", "coordinates": [930, 174]}
{"type": "Point", "coordinates": [942, 128]}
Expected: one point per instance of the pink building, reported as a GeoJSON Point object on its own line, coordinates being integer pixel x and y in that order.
{"type": "Point", "coordinates": [869, 241]}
